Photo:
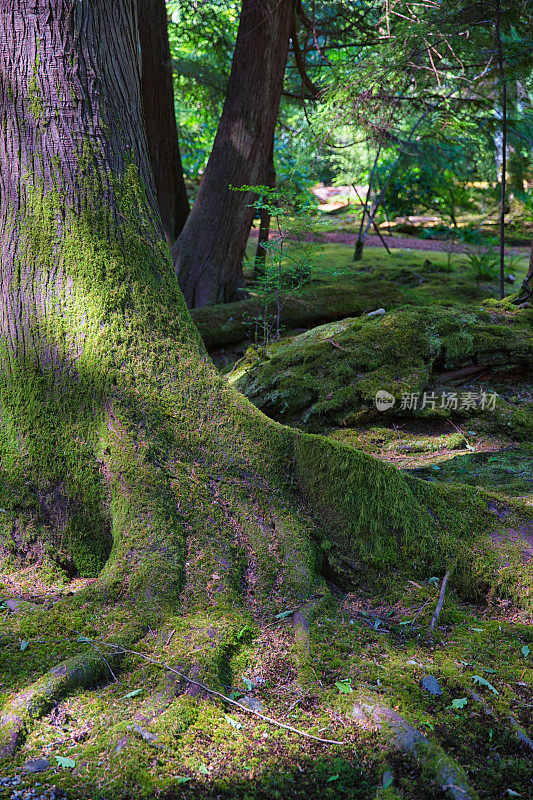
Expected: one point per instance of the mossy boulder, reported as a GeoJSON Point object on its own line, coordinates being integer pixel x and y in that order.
{"type": "Point", "coordinates": [329, 376]}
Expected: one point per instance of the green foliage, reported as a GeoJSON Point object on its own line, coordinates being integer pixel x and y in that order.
{"type": "Point", "coordinates": [483, 258]}
{"type": "Point", "coordinates": [283, 270]}
{"type": "Point", "coordinates": [430, 177]}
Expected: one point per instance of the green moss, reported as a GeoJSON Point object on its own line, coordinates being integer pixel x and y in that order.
{"type": "Point", "coordinates": [220, 519]}
{"type": "Point", "coordinates": [330, 376]}
{"type": "Point", "coordinates": [507, 472]}
{"type": "Point", "coordinates": [378, 440]}
{"type": "Point", "coordinates": [35, 99]}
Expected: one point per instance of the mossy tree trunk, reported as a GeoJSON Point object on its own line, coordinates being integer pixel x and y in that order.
{"type": "Point", "coordinates": [208, 254]}
{"type": "Point", "coordinates": [113, 417]}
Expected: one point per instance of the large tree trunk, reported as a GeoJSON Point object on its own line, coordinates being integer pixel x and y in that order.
{"type": "Point", "coordinates": [160, 119]}
{"type": "Point", "coordinates": [120, 444]}
{"type": "Point", "coordinates": [208, 255]}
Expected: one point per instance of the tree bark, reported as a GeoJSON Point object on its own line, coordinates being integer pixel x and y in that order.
{"type": "Point", "coordinates": [208, 255]}
{"type": "Point", "coordinates": [68, 135]}
{"type": "Point", "coordinates": [159, 117]}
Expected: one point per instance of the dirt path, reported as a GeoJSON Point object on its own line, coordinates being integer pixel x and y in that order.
{"type": "Point", "coordinates": [394, 242]}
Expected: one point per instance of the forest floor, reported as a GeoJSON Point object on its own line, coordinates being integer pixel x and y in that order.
{"type": "Point", "coordinates": [466, 691]}
{"type": "Point", "coordinates": [396, 241]}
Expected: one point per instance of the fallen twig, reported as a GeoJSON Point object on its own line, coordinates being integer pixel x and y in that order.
{"type": "Point", "coordinates": [418, 613]}
{"type": "Point", "coordinates": [169, 638]}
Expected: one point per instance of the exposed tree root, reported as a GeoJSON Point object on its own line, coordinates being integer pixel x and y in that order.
{"type": "Point", "coordinates": [437, 767]}
{"type": "Point", "coordinates": [301, 621]}
{"type": "Point", "coordinates": [76, 672]}
{"type": "Point", "coordinates": [521, 736]}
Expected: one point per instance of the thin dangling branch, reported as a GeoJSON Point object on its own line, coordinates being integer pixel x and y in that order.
{"type": "Point", "coordinates": [438, 609]}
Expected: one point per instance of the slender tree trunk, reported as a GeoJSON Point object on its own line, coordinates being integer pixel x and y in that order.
{"type": "Point", "coordinates": [264, 220]}
{"type": "Point", "coordinates": [361, 236]}
{"type": "Point", "coordinates": [208, 255]}
{"type": "Point", "coordinates": [159, 117]}
{"type": "Point", "coordinates": [504, 151]}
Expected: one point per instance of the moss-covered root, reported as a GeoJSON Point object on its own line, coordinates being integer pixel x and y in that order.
{"type": "Point", "coordinates": [387, 790]}
{"type": "Point", "coordinates": [76, 672]}
{"type": "Point", "coordinates": [435, 764]}
{"type": "Point", "coordinates": [521, 735]}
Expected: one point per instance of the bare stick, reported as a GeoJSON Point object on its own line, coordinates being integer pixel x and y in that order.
{"type": "Point", "coordinates": [223, 697]}
{"type": "Point", "coordinates": [436, 615]}
{"type": "Point", "coordinates": [385, 245]}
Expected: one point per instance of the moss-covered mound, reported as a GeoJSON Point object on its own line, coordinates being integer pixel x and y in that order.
{"type": "Point", "coordinates": [330, 375]}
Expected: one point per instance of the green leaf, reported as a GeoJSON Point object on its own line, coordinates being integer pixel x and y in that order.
{"type": "Point", "coordinates": [235, 723]}
{"type": "Point", "coordinates": [525, 651]}
{"type": "Point", "coordinates": [65, 762]}
{"type": "Point", "coordinates": [23, 645]}
{"type": "Point", "coordinates": [344, 687]}
{"type": "Point", "coordinates": [134, 693]}
{"type": "Point", "coordinates": [333, 778]}
{"type": "Point", "coordinates": [459, 702]}
{"type": "Point", "coordinates": [483, 682]}
{"type": "Point", "coordinates": [388, 779]}
{"type": "Point", "coordinates": [244, 633]}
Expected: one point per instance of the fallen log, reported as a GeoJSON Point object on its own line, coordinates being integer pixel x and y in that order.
{"type": "Point", "coordinates": [231, 323]}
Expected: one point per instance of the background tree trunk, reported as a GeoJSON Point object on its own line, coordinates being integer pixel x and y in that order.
{"type": "Point", "coordinates": [160, 118]}
{"type": "Point", "coordinates": [264, 219]}
{"type": "Point", "coordinates": [208, 255]}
